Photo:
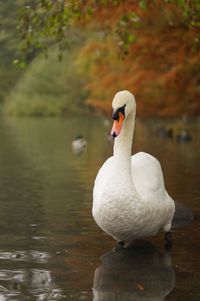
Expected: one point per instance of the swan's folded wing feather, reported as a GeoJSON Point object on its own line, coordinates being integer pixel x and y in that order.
{"type": "Point", "coordinates": [147, 174]}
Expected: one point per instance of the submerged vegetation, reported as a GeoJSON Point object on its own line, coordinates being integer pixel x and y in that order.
{"type": "Point", "coordinates": [149, 47]}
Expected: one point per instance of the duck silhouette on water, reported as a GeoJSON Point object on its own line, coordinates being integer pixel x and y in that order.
{"type": "Point", "coordinates": [164, 132]}
{"type": "Point", "coordinates": [79, 144]}
{"type": "Point", "coordinates": [184, 136]}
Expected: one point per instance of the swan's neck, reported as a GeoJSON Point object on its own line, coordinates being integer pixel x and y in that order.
{"type": "Point", "coordinates": [123, 143]}
{"type": "Point", "coordinates": [122, 155]}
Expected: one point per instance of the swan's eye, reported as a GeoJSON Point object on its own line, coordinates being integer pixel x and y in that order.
{"type": "Point", "coordinates": [115, 115]}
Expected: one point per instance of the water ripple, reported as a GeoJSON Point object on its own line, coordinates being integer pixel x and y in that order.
{"type": "Point", "coordinates": [32, 256]}
{"type": "Point", "coordinates": [34, 282]}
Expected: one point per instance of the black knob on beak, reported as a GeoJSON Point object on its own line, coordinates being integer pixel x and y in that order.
{"type": "Point", "coordinates": [115, 115]}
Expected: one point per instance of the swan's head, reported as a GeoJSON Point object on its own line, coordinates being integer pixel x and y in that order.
{"type": "Point", "coordinates": [123, 105]}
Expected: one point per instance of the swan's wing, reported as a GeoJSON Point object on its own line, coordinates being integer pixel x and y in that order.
{"type": "Point", "coordinates": [147, 174]}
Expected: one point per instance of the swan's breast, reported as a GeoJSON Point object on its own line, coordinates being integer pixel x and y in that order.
{"type": "Point", "coordinates": [127, 213]}
{"type": "Point", "coordinates": [113, 188]}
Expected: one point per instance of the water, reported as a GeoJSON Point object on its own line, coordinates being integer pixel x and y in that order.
{"type": "Point", "coordinates": [50, 247]}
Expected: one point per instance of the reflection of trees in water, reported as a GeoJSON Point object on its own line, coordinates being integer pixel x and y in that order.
{"type": "Point", "coordinates": [25, 284]}
{"type": "Point", "coordinates": [42, 148]}
{"type": "Point", "coordinates": [45, 207]}
{"type": "Point", "coordinates": [23, 216]}
{"type": "Point", "coordinates": [20, 191]}
{"type": "Point", "coordinates": [45, 202]}
{"type": "Point", "coordinates": [136, 273]}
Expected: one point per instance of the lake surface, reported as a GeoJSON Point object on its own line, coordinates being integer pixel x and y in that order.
{"type": "Point", "coordinates": [50, 246]}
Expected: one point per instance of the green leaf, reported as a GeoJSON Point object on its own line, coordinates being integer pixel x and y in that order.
{"type": "Point", "coordinates": [20, 63]}
{"type": "Point", "coordinates": [143, 4]}
{"type": "Point", "coordinates": [181, 3]}
{"type": "Point", "coordinates": [90, 11]}
{"type": "Point", "coordinates": [132, 16]}
{"type": "Point", "coordinates": [131, 38]}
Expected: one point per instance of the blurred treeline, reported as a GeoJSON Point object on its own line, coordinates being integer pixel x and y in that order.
{"type": "Point", "coordinates": [77, 54]}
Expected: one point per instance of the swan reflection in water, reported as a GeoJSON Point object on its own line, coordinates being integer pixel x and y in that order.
{"type": "Point", "coordinates": [135, 273]}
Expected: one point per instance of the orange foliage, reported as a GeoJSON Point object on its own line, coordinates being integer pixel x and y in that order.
{"type": "Point", "coordinates": [161, 68]}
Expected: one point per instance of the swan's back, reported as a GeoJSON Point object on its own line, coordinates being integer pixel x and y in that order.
{"type": "Point", "coordinates": [147, 175]}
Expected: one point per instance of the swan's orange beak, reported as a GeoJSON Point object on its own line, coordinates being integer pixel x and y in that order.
{"type": "Point", "coordinates": [117, 125]}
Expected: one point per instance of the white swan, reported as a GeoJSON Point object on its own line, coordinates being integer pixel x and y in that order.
{"type": "Point", "coordinates": [129, 197]}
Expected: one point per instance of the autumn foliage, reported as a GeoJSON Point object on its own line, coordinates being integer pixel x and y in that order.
{"type": "Point", "coordinates": [160, 64]}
